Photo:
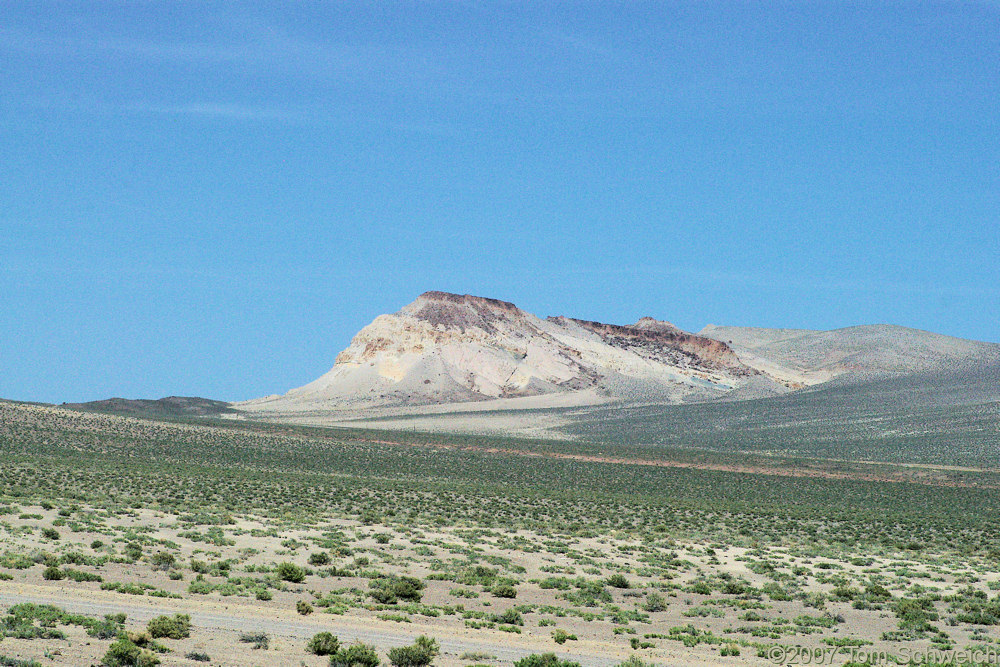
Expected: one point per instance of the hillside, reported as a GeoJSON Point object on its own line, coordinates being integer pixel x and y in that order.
{"type": "Point", "coordinates": [880, 349]}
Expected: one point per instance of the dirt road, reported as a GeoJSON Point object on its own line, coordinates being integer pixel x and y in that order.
{"type": "Point", "coordinates": [214, 617]}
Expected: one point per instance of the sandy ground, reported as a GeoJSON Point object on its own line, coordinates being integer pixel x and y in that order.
{"type": "Point", "coordinates": [253, 542]}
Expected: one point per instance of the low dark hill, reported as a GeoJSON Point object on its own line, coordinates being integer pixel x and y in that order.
{"type": "Point", "coordinates": [171, 406]}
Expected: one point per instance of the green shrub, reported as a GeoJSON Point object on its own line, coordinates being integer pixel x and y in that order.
{"type": "Point", "coordinates": [390, 591]}
{"type": "Point", "coordinates": [163, 560]}
{"type": "Point", "coordinates": [303, 607]}
{"type": "Point", "coordinates": [655, 602]}
{"type": "Point", "coordinates": [319, 558]}
{"type": "Point", "coordinates": [81, 576]}
{"type": "Point", "coordinates": [200, 587]}
{"type": "Point", "coordinates": [560, 636]}
{"type": "Point", "coordinates": [408, 588]}
{"type": "Point", "coordinates": [323, 643]}
{"type": "Point", "coordinates": [107, 628]}
{"type": "Point", "coordinates": [701, 588]}
{"type": "Point", "coordinates": [618, 581]}
{"type": "Point", "coordinates": [53, 573]}
{"type": "Point", "coordinates": [17, 662]}
{"type": "Point", "coordinates": [544, 660]}
{"type": "Point", "coordinates": [50, 533]}
{"type": "Point", "coordinates": [124, 653]}
{"type": "Point", "coordinates": [634, 661]}
{"type": "Point", "coordinates": [177, 626]}
{"type": "Point", "coordinates": [291, 572]}
{"type": "Point", "coordinates": [877, 592]}
{"type": "Point", "coordinates": [409, 656]}
{"type": "Point", "coordinates": [420, 654]}
{"type": "Point", "coordinates": [734, 587]}
{"type": "Point", "coordinates": [509, 617]}
{"type": "Point", "coordinates": [504, 591]}
{"type": "Point", "coordinates": [355, 655]}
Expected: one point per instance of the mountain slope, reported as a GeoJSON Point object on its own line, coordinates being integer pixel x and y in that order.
{"type": "Point", "coordinates": [860, 351]}
{"type": "Point", "coordinates": [448, 348]}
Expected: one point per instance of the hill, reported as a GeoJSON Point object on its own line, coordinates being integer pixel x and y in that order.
{"type": "Point", "coordinates": [879, 349]}
{"type": "Point", "coordinates": [171, 406]}
{"type": "Point", "coordinates": [450, 348]}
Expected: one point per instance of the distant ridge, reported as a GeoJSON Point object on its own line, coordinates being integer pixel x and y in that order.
{"type": "Point", "coordinates": [876, 349]}
{"type": "Point", "coordinates": [171, 406]}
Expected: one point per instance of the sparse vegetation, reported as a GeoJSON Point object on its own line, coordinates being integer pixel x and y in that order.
{"type": "Point", "coordinates": [508, 547]}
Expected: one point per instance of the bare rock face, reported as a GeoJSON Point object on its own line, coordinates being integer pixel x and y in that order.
{"type": "Point", "coordinates": [663, 341]}
{"type": "Point", "coordinates": [446, 348]}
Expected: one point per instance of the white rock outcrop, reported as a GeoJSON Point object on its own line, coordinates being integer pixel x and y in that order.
{"type": "Point", "coordinates": [448, 348]}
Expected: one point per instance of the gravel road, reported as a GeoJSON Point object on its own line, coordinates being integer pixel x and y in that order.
{"type": "Point", "coordinates": [213, 615]}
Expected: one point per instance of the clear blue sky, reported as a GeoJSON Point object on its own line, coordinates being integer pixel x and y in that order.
{"type": "Point", "coordinates": [210, 199]}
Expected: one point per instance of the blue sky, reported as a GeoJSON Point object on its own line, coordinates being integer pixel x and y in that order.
{"type": "Point", "coordinates": [210, 199]}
